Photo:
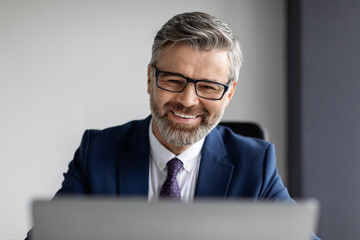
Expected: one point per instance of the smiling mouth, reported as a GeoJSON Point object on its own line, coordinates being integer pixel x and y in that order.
{"type": "Point", "coordinates": [184, 116]}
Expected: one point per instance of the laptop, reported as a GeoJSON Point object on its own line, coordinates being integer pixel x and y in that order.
{"type": "Point", "coordinates": [134, 219]}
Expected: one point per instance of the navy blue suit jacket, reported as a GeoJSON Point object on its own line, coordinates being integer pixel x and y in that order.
{"type": "Point", "coordinates": [115, 161]}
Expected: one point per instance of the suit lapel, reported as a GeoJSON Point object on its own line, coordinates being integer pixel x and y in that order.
{"type": "Point", "coordinates": [215, 168]}
{"type": "Point", "coordinates": [133, 166]}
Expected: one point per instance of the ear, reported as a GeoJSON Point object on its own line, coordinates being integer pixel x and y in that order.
{"type": "Point", "coordinates": [231, 93]}
{"type": "Point", "coordinates": [149, 74]}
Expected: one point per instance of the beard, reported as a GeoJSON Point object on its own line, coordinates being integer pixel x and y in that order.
{"type": "Point", "coordinates": [182, 135]}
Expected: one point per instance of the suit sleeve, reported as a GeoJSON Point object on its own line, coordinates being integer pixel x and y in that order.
{"type": "Point", "coordinates": [272, 186]}
{"type": "Point", "coordinates": [76, 178]}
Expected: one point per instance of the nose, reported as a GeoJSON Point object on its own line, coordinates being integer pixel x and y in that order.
{"type": "Point", "coordinates": [188, 97]}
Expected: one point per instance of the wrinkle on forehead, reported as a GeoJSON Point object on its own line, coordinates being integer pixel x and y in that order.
{"type": "Point", "coordinates": [210, 65]}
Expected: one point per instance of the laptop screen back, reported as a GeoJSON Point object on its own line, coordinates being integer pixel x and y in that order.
{"type": "Point", "coordinates": [108, 219]}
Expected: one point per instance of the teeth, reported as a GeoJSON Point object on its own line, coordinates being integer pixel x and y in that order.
{"type": "Point", "coordinates": [184, 116]}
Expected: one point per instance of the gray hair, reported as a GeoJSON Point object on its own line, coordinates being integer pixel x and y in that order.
{"type": "Point", "coordinates": [200, 31]}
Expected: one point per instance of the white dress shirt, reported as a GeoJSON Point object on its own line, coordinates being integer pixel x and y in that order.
{"type": "Point", "coordinates": [187, 176]}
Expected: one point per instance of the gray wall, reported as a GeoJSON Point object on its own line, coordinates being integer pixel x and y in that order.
{"type": "Point", "coordinates": [66, 66]}
{"type": "Point", "coordinates": [329, 113]}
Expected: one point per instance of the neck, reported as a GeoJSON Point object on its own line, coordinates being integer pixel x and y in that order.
{"type": "Point", "coordinates": [171, 147]}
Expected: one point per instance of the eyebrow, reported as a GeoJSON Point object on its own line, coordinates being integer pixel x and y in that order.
{"type": "Point", "coordinates": [171, 74]}
{"type": "Point", "coordinates": [179, 74]}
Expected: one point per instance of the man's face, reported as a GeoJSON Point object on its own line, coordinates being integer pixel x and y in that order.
{"type": "Point", "coordinates": [181, 119]}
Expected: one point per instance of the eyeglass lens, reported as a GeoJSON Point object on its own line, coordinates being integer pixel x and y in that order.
{"type": "Point", "coordinates": [177, 83]}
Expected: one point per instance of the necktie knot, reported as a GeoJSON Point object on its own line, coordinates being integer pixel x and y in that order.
{"type": "Point", "coordinates": [170, 188]}
{"type": "Point", "coordinates": [173, 168]}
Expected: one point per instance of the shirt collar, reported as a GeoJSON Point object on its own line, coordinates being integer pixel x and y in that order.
{"type": "Point", "coordinates": [190, 157]}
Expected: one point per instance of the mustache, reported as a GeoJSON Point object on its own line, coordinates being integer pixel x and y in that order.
{"type": "Point", "coordinates": [178, 107]}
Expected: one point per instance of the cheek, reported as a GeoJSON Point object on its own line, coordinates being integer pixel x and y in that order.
{"type": "Point", "coordinates": [160, 97]}
{"type": "Point", "coordinates": [213, 108]}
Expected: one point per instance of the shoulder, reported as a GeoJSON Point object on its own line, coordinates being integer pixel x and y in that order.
{"type": "Point", "coordinates": [236, 143]}
{"type": "Point", "coordinates": [114, 136]}
{"type": "Point", "coordinates": [120, 130]}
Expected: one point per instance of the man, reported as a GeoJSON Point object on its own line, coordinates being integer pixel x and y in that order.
{"type": "Point", "coordinates": [179, 152]}
{"type": "Point", "coordinates": [192, 77]}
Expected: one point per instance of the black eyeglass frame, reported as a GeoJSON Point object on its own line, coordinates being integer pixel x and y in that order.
{"type": "Point", "coordinates": [194, 81]}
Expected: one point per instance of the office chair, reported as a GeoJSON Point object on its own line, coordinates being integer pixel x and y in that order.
{"type": "Point", "coordinates": [248, 129]}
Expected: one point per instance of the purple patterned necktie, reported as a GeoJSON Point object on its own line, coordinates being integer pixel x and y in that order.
{"type": "Point", "coordinates": [170, 189]}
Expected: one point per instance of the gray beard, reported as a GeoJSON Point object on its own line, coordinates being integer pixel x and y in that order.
{"type": "Point", "coordinates": [182, 135]}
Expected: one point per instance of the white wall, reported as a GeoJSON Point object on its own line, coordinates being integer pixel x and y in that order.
{"type": "Point", "coordinates": [66, 66]}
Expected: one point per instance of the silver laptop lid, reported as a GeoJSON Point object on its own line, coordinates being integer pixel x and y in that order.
{"type": "Point", "coordinates": [109, 219]}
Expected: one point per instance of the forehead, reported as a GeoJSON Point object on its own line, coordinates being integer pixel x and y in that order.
{"type": "Point", "coordinates": [210, 65]}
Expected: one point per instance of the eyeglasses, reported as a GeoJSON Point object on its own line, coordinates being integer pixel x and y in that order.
{"type": "Point", "coordinates": [174, 82]}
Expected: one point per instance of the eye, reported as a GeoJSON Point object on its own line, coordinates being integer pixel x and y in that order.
{"type": "Point", "coordinates": [207, 87]}
{"type": "Point", "coordinates": [174, 81]}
